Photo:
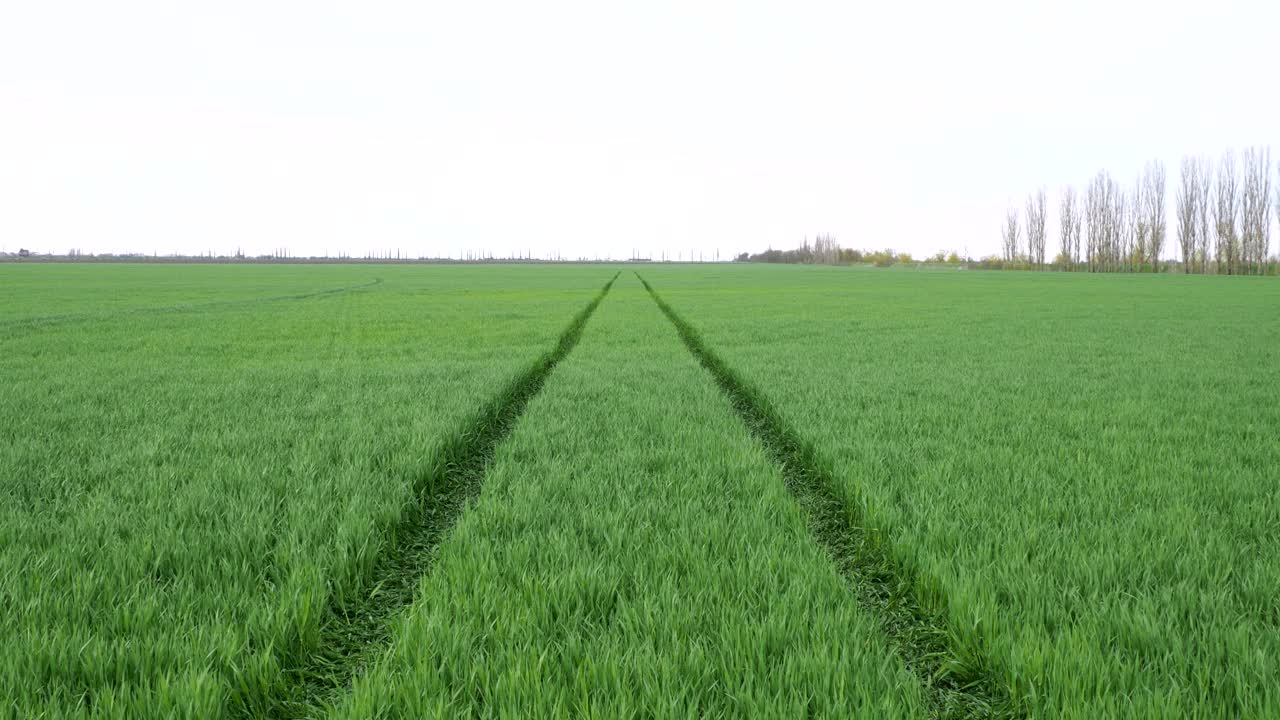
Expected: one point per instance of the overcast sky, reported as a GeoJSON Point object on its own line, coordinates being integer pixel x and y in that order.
{"type": "Point", "coordinates": [596, 128]}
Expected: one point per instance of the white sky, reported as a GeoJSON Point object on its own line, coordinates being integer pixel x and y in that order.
{"type": "Point", "coordinates": [592, 128]}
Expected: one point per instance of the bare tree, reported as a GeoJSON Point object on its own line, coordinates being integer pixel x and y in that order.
{"type": "Point", "coordinates": [1098, 215]}
{"type": "Point", "coordinates": [1111, 221]}
{"type": "Point", "coordinates": [1069, 216]}
{"type": "Point", "coordinates": [1036, 213]}
{"type": "Point", "coordinates": [1011, 235]}
{"type": "Point", "coordinates": [1225, 211]}
{"type": "Point", "coordinates": [1264, 213]}
{"type": "Point", "coordinates": [1204, 202]}
{"type": "Point", "coordinates": [1255, 210]}
{"type": "Point", "coordinates": [1155, 220]}
{"type": "Point", "coordinates": [826, 250]}
{"type": "Point", "coordinates": [1126, 222]}
{"type": "Point", "coordinates": [1136, 249]}
{"type": "Point", "coordinates": [1141, 224]}
{"type": "Point", "coordinates": [1093, 218]}
{"type": "Point", "coordinates": [1116, 226]}
{"type": "Point", "coordinates": [1188, 197]}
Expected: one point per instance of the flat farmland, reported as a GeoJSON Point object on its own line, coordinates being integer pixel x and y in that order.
{"type": "Point", "coordinates": [634, 553]}
{"type": "Point", "coordinates": [191, 486]}
{"type": "Point", "coordinates": [644, 491]}
{"type": "Point", "coordinates": [1075, 476]}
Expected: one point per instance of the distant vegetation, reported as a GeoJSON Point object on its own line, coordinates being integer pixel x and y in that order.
{"type": "Point", "coordinates": [1222, 221]}
{"type": "Point", "coordinates": [826, 251]}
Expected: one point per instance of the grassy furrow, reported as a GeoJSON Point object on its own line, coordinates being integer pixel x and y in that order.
{"type": "Point", "coordinates": [957, 686]}
{"type": "Point", "coordinates": [1078, 471]}
{"type": "Point", "coordinates": [187, 494]}
{"type": "Point", "coordinates": [355, 629]}
{"type": "Point", "coordinates": [633, 553]}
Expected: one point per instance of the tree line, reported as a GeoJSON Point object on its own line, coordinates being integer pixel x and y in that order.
{"type": "Point", "coordinates": [1222, 220]}
{"type": "Point", "coordinates": [824, 250]}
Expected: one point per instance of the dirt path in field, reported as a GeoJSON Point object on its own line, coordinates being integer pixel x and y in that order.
{"type": "Point", "coordinates": [957, 684]}
{"type": "Point", "coordinates": [353, 634]}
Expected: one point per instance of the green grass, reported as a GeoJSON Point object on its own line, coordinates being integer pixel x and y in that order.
{"type": "Point", "coordinates": [954, 685]}
{"type": "Point", "coordinates": [634, 553]}
{"type": "Point", "coordinates": [41, 294]}
{"type": "Point", "coordinates": [186, 493]}
{"type": "Point", "coordinates": [1077, 471]}
{"type": "Point", "coordinates": [356, 629]}
{"type": "Point", "coordinates": [407, 491]}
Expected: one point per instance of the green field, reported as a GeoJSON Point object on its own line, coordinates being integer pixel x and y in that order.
{"type": "Point", "coordinates": [544, 491]}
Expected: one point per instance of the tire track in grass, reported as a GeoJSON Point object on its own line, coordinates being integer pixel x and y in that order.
{"type": "Point", "coordinates": [959, 682]}
{"type": "Point", "coordinates": [352, 634]}
{"type": "Point", "coordinates": [43, 320]}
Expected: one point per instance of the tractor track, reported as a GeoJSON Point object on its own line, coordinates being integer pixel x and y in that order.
{"type": "Point", "coordinates": [955, 687]}
{"type": "Point", "coordinates": [352, 634]}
